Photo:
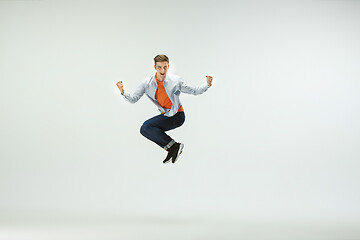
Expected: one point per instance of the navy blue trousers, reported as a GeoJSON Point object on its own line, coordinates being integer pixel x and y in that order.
{"type": "Point", "coordinates": [154, 128]}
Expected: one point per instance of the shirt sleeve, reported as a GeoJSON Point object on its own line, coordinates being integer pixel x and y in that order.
{"type": "Point", "coordinates": [193, 90]}
{"type": "Point", "coordinates": [139, 92]}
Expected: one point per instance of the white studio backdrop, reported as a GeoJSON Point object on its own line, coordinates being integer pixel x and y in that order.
{"type": "Point", "coordinates": [276, 136]}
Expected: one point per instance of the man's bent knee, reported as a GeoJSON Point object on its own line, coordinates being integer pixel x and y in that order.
{"type": "Point", "coordinates": [144, 129]}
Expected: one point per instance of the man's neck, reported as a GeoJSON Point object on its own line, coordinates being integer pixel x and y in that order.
{"type": "Point", "coordinates": [159, 78]}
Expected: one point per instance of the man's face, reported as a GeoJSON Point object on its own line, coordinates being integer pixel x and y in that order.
{"type": "Point", "coordinates": [161, 69]}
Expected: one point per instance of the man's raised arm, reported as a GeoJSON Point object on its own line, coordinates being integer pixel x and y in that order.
{"type": "Point", "coordinates": [196, 90]}
{"type": "Point", "coordinates": [132, 98]}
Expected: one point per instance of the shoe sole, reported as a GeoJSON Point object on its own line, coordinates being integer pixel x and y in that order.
{"type": "Point", "coordinates": [165, 162]}
{"type": "Point", "coordinates": [180, 151]}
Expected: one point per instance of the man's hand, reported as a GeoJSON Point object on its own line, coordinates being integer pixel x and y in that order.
{"type": "Point", "coordinates": [120, 86]}
{"type": "Point", "coordinates": [209, 80]}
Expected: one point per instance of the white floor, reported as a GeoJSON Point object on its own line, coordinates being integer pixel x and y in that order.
{"type": "Point", "coordinates": [156, 228]}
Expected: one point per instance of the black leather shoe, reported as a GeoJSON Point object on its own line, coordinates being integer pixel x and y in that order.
{"type": "Point", "coordinates": [176, 151]}
{"type": "Point", "coordinates": [168, 157]}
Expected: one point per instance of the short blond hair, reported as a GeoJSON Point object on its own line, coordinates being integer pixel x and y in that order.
{"type": "Point", "coordinates": [161, 58]}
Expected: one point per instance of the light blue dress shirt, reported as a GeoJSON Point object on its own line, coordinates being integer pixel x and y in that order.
{"type": "Point", "coordinates": [173, 84]}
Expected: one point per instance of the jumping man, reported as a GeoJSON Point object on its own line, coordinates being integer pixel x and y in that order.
{"type": "Point", "coordinates": [164, 90]}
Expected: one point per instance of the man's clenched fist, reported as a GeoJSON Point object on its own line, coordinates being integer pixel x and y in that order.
{"type": "Point", "coordinates": [209, 80]}
{"type": "Point", "coordinates": [120, 86]}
